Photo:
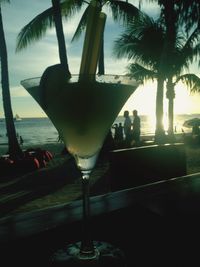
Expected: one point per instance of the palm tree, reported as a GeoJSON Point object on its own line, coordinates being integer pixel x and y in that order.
{"type": "Point", "coordinates": [144, 41]}
{"type": "Point", "coordinates": [36, 29]}
{"type": "Point", "coordinates": [177, 53]}
{"type": "Point", "coordinates": [13, 146]}
{"type": "Point", "coordinates": [185, 52]}
{"type": "Point", "coordinates": [174, 12]}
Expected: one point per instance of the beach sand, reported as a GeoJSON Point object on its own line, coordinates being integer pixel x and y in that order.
{"type": "Point", "coordinates": [60, 181]}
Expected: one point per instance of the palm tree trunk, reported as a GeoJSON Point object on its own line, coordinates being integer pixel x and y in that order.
{"type": "Point", "coordinates": [165, 63]}
{"type": "Point", "coordinates": [101, 66]}
{"type": "Point", "coordinates": [170, 95]}
{"type": "Point", "coordinates": [60, 35]}
{"type": "Point", "coordinates": [159, 133]}
{"type": "Point", "coordinates": [13, 146]}
{"type": "Point", "coordinates": [167, 60]}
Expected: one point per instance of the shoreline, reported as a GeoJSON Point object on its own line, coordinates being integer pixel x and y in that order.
{"type": "Point", "coordinates": [53, 145]}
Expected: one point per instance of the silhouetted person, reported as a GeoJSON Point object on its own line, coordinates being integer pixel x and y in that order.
{"type": "Point", "coordinates": [116, 131]}
{"type": "Point", "coordinates": [21, 140]}
{"type": "Point", "coordinates": [136, 128]}
{"type": "Point", "coordinates": [120, 132]}
{"type": "Point", "coordinates": [127, 128]}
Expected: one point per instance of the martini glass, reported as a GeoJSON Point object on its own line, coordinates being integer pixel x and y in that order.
{"type": "Point", "coordinates": [82, 110]}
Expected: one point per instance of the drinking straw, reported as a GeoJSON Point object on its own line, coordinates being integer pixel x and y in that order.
{"type": "Point", "coordinates": [92, 43]}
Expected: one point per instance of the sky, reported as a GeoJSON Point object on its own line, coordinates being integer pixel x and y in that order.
{"type": "Point", "coordinates": [32, 61]}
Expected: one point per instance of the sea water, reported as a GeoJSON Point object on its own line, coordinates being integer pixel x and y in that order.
{"type": "Point", "coordinates": [33, 131]}
{"type": "Point", "coordinates": [41, 130]}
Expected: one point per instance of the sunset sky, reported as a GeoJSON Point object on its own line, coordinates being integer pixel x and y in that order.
{"type": "Point", "coordinates": [32, 61]}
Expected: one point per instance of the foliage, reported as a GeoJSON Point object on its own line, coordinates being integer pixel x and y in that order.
{"type": "Point", "coordinates": [158, 49]}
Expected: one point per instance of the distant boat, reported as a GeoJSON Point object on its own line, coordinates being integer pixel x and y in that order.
{"type": "Point", "coordinates": [17, 118]}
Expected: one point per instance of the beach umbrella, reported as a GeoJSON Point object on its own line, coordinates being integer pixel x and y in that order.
{"type": "Point", "coordinates": [192, 122]}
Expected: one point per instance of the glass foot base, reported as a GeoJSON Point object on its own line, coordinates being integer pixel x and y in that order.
{"type": "Point", "coordinates": [106, 255]}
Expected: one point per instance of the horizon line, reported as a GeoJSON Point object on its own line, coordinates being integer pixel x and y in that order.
{"type": "Point", "coordinates": [40, 117]}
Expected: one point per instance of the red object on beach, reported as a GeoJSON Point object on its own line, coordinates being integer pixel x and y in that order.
{"type": "Point", "coordinates": [39, 154]}
{"type": "Point", "coordinates": [43, 156]}
{"type": "Point", "coordinates": [48, 155]}
{"type": "Point", "coordinates": [36, 163]}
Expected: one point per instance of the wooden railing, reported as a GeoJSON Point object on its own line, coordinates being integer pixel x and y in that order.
{"type": "Point", "coordinates": [146, 164]}
{"type": "Point", "coordinates": [179, 195]}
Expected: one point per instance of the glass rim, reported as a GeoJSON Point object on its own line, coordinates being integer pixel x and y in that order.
{"type": "Point", "coordinates": [115, 78]}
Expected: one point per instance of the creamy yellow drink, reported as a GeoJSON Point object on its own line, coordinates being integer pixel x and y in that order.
{"type": "Point", "coordinates": [82, 111]}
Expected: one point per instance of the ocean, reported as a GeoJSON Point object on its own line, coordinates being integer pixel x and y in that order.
{"type": "Point", "coordinates": [35, 131]}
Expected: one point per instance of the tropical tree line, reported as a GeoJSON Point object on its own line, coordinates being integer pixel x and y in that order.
{"type": "Point", "coordinates": [161, 51]}
{"type": "Point", "coordinates": [173, 54]}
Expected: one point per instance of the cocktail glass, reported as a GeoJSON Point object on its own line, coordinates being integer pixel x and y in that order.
{"type": "Point", "coordinates": [82, 110]}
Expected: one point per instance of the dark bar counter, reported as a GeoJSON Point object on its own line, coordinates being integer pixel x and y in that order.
{"type": "Point", "coordinates": [156, 224]}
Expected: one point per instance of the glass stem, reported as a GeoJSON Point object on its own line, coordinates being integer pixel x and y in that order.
{"type": "Point", "coordinates": [87, 246]}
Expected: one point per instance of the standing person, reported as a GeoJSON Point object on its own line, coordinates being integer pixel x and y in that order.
{"type": "Point", "coordinates": [116, 133]}
{"type": "Point", "coordinates": [136, 128]}
{"type": "Point", "coordinates": [21, 140]}
{"type": "Point", "coordinates": [127, 128]}
{"type": "Point", "coordinates": [120, 132]}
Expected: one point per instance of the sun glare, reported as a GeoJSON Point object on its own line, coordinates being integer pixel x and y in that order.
{"type": "Point", "coordinates": [144, 100]}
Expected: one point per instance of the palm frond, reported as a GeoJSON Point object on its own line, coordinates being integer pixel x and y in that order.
{"type": "Point", "coordinates": [131, 48]}
{"type": "Point", "coordinates": [139, 23]}
{"type": "Point", "coordinates": [189, 13]}
{"type": "Point", "coordinates": [141, 73]}
{"type": "Point", "coordinates": [35, 29]}
{"type": "Point", "coordinates": [70, 7]}
{"type": "Point", "coordinates": [186, 52]}
{"type": "Point", "coordinates": [191, 80]}
{"type": "Point", "coordinates": [125, 46]}
{"type": "Point", "coordinates": [190, 43]}
{"type": "Point", "coordinates": [82, 25]}
{"type": "Point", "coordinates": [38, 26]}
{"type": "Point", "coordinates": [123, 11]}
{"type": "Point", "coordinates": [142, 41]}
